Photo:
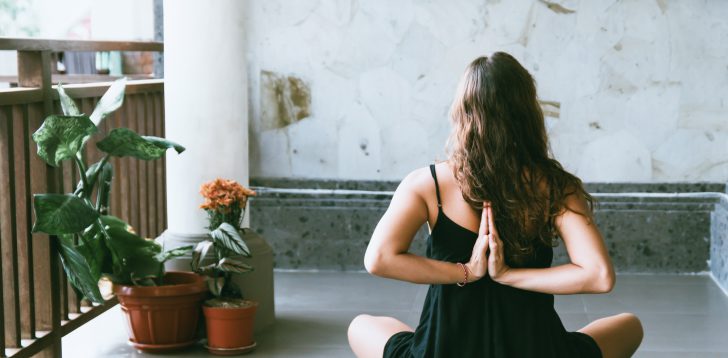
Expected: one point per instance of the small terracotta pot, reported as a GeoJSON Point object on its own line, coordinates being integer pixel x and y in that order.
{"type": "Point", "coordinates": [230, 330]}
{"type": "Point", "coordinates": [163, 318]}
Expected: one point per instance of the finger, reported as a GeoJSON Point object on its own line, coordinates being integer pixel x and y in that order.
{"type": "Point", "coordinates": [483, 230]}
{"type": "Point", "coordinates": [491, 221]}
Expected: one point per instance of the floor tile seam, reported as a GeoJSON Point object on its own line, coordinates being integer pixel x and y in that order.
{"type": "Point", "coordinates": [639, 313]}
{"type": "Point", "coordinates": [558, 311]}
{"type": "Point", "coordinates": [275, 341]}
{"type": "Point", "coordinates": [358, 309]}
{"type": "Point", "coordinates": [583, 303]}
{"type": "Point", "coordinates": [696, 311]}
{"type": "Point", "coordinates": [677, 350]}
{"type": "Point", "coordinates": [643, 284]}
{"type": "Point", "coordinates": [681, 274]}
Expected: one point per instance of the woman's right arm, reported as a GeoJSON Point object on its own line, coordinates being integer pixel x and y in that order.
{"type": "Point", "coordinates": [387, 254]}
{"type": "Point", "coordinates": [590, 269]}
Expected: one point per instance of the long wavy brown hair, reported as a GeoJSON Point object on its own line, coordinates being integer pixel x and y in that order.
{"type": "Point", "coordinates": [500, 154]}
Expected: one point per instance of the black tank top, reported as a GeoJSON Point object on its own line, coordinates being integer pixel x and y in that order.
{"type": "Point", "coordinates": [485, 318]}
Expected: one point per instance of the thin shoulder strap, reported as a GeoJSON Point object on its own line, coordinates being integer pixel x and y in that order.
{"type": "Point", "coordinates": [437, 187]}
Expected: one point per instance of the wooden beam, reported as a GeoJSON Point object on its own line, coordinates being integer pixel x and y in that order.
{"type": "Point", "coordinates": [84, 90]}
{"type": "Point", "coordinates": [26, 44]}
{"type": "Point", "coordinates": [82, 78]}
{"type": "Point", "coordinates": [11, 96]}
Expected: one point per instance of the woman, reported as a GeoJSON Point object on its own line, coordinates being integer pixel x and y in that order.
{"type": "Point", "coordinates": [494, 209]}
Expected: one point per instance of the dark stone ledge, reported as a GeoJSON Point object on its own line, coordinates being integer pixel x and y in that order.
{"type": "Point", "coordinates": [375, 185]}
{"type": "Point", "coordinates": [329, 227]}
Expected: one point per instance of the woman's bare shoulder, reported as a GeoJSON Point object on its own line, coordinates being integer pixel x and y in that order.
{"type": "Point", "coordinates": [418, 181]}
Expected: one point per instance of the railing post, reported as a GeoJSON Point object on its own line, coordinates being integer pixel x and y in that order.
{"type": "Point", "coordinates": [34, 70]}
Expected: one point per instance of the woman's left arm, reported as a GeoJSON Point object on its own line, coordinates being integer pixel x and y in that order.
{"type": "Point", "coordinates": [590, 269]}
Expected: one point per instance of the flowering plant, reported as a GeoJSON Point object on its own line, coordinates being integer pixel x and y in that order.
{"type": "Point", "coordinates": [225, 201]}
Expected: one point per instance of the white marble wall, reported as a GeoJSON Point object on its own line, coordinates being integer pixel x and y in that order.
{"type": "Point", "coordinates": [642, 85]}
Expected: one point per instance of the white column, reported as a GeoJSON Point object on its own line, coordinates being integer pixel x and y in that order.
{"type": "Point", "coordinates": [206, 103]}
{"type": "Point", "coordinates": [206, 110]}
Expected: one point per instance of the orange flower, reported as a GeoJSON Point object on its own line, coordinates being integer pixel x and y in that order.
{"type": "Point", "coordinates": [222, 194]}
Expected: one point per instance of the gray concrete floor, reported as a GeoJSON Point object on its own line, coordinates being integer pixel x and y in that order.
{"type": "Point", "coordinates": [683, 315]}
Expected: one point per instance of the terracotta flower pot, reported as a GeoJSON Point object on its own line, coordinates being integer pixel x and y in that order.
{"type": "Point", "coordinates": [163, 318]}
{"type": "Point", "coordinates": [230, 329]}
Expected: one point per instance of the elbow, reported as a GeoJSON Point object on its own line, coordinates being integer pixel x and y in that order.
{"type": "Point", "coordinates": [373, 262]}
{"type": "Point", "coordinates": [604, 280]}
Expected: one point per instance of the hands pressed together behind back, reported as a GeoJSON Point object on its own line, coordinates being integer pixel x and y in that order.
{"type": "Point", "coordinates": [487, 257]}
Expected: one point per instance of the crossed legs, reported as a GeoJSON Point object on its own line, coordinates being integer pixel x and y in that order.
{"type": "Point", "coordinates": [618, 336]}
{"type": "Point", "coordinates": [368, 334]}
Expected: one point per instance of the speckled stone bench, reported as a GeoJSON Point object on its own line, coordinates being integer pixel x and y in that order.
{"type": "Point", "coordinates": [650, 228]}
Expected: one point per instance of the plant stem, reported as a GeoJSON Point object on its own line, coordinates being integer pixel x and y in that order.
{"type": "Point", "coordinates": [102, 194]}
{"type": "Point", "coordinates": [82, 174]}
{"type": "Point", "coordinates": [104, 160]}
{"type": "Point", "coordinates": [108, 238]}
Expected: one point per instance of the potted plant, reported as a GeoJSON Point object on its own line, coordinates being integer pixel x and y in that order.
{"type": "Point", "coordinates": [229, 318]}
{"type": "Point", "coordinates": [95, 246]}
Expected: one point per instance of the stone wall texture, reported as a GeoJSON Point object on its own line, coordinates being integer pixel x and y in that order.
{"type": "Point", "coordinates": [634, 91]}
{"type": "Point", "coordinates": [327, 225]}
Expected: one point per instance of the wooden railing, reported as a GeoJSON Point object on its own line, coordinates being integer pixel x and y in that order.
{"type": "Point", "coordinates": [39, 307]}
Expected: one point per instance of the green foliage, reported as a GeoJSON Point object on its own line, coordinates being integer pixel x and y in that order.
{"type": "Point", "coordinates": [229, 238]}
{"type": "Point", "coordinates": [61, 214]}
{"type": "Point", "coordinates": [227, 244]}
{"type": "Point", "coordinates": [92, 243]}
{"type": "Point", "coordinates": [104, 180]}
{"type": "Point", "coordinates": [78, 269]}
{"type": "Point", "coordinates": [61, 137]}
{"type": "Point", "coordinates": [67, 103]}
{"type": "Point", "coordinates": [170, 254]}
{"type": "Point", "coordinates": [122, 142]}
{"type": "Point", "coordinates": [229, 264]}
{"type": "Point", "coordinates": [110, 101]}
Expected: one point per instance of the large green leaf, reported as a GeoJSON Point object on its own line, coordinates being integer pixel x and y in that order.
{"type": "Point", "coordinates": [61, 137]}
{"type": "Point", "coordinates": [110, 101]}
{"type": "Point", "coordinates": [163, 143]}
{"type": "Point", "coordinates": [95, 251]}
{"type": "Point", "coordinates": [94, 245]}
{"type": "Point", "coordinates": [115, 222]}
{"type": "Point", "coordinates": [170, 254]}
{"type": "Point", "coordinates": [229, 264]}
{"type": "Point", "coordinates": [67, 103]}
{"type": "Point", "coordinates": [109, 221]}
{"type": "Point", "coordinates": [122, 142]}
{"type": "Point", "coordinates": [138, 255]}
{"type": "Point", "coordinates": [106, 222]}
{"type": "Point", "coordinates": [78, 271]}
{"type": "Point", "coordinates": [229, 238]}
{"type": "Point", "coordinates": [57, 214]}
